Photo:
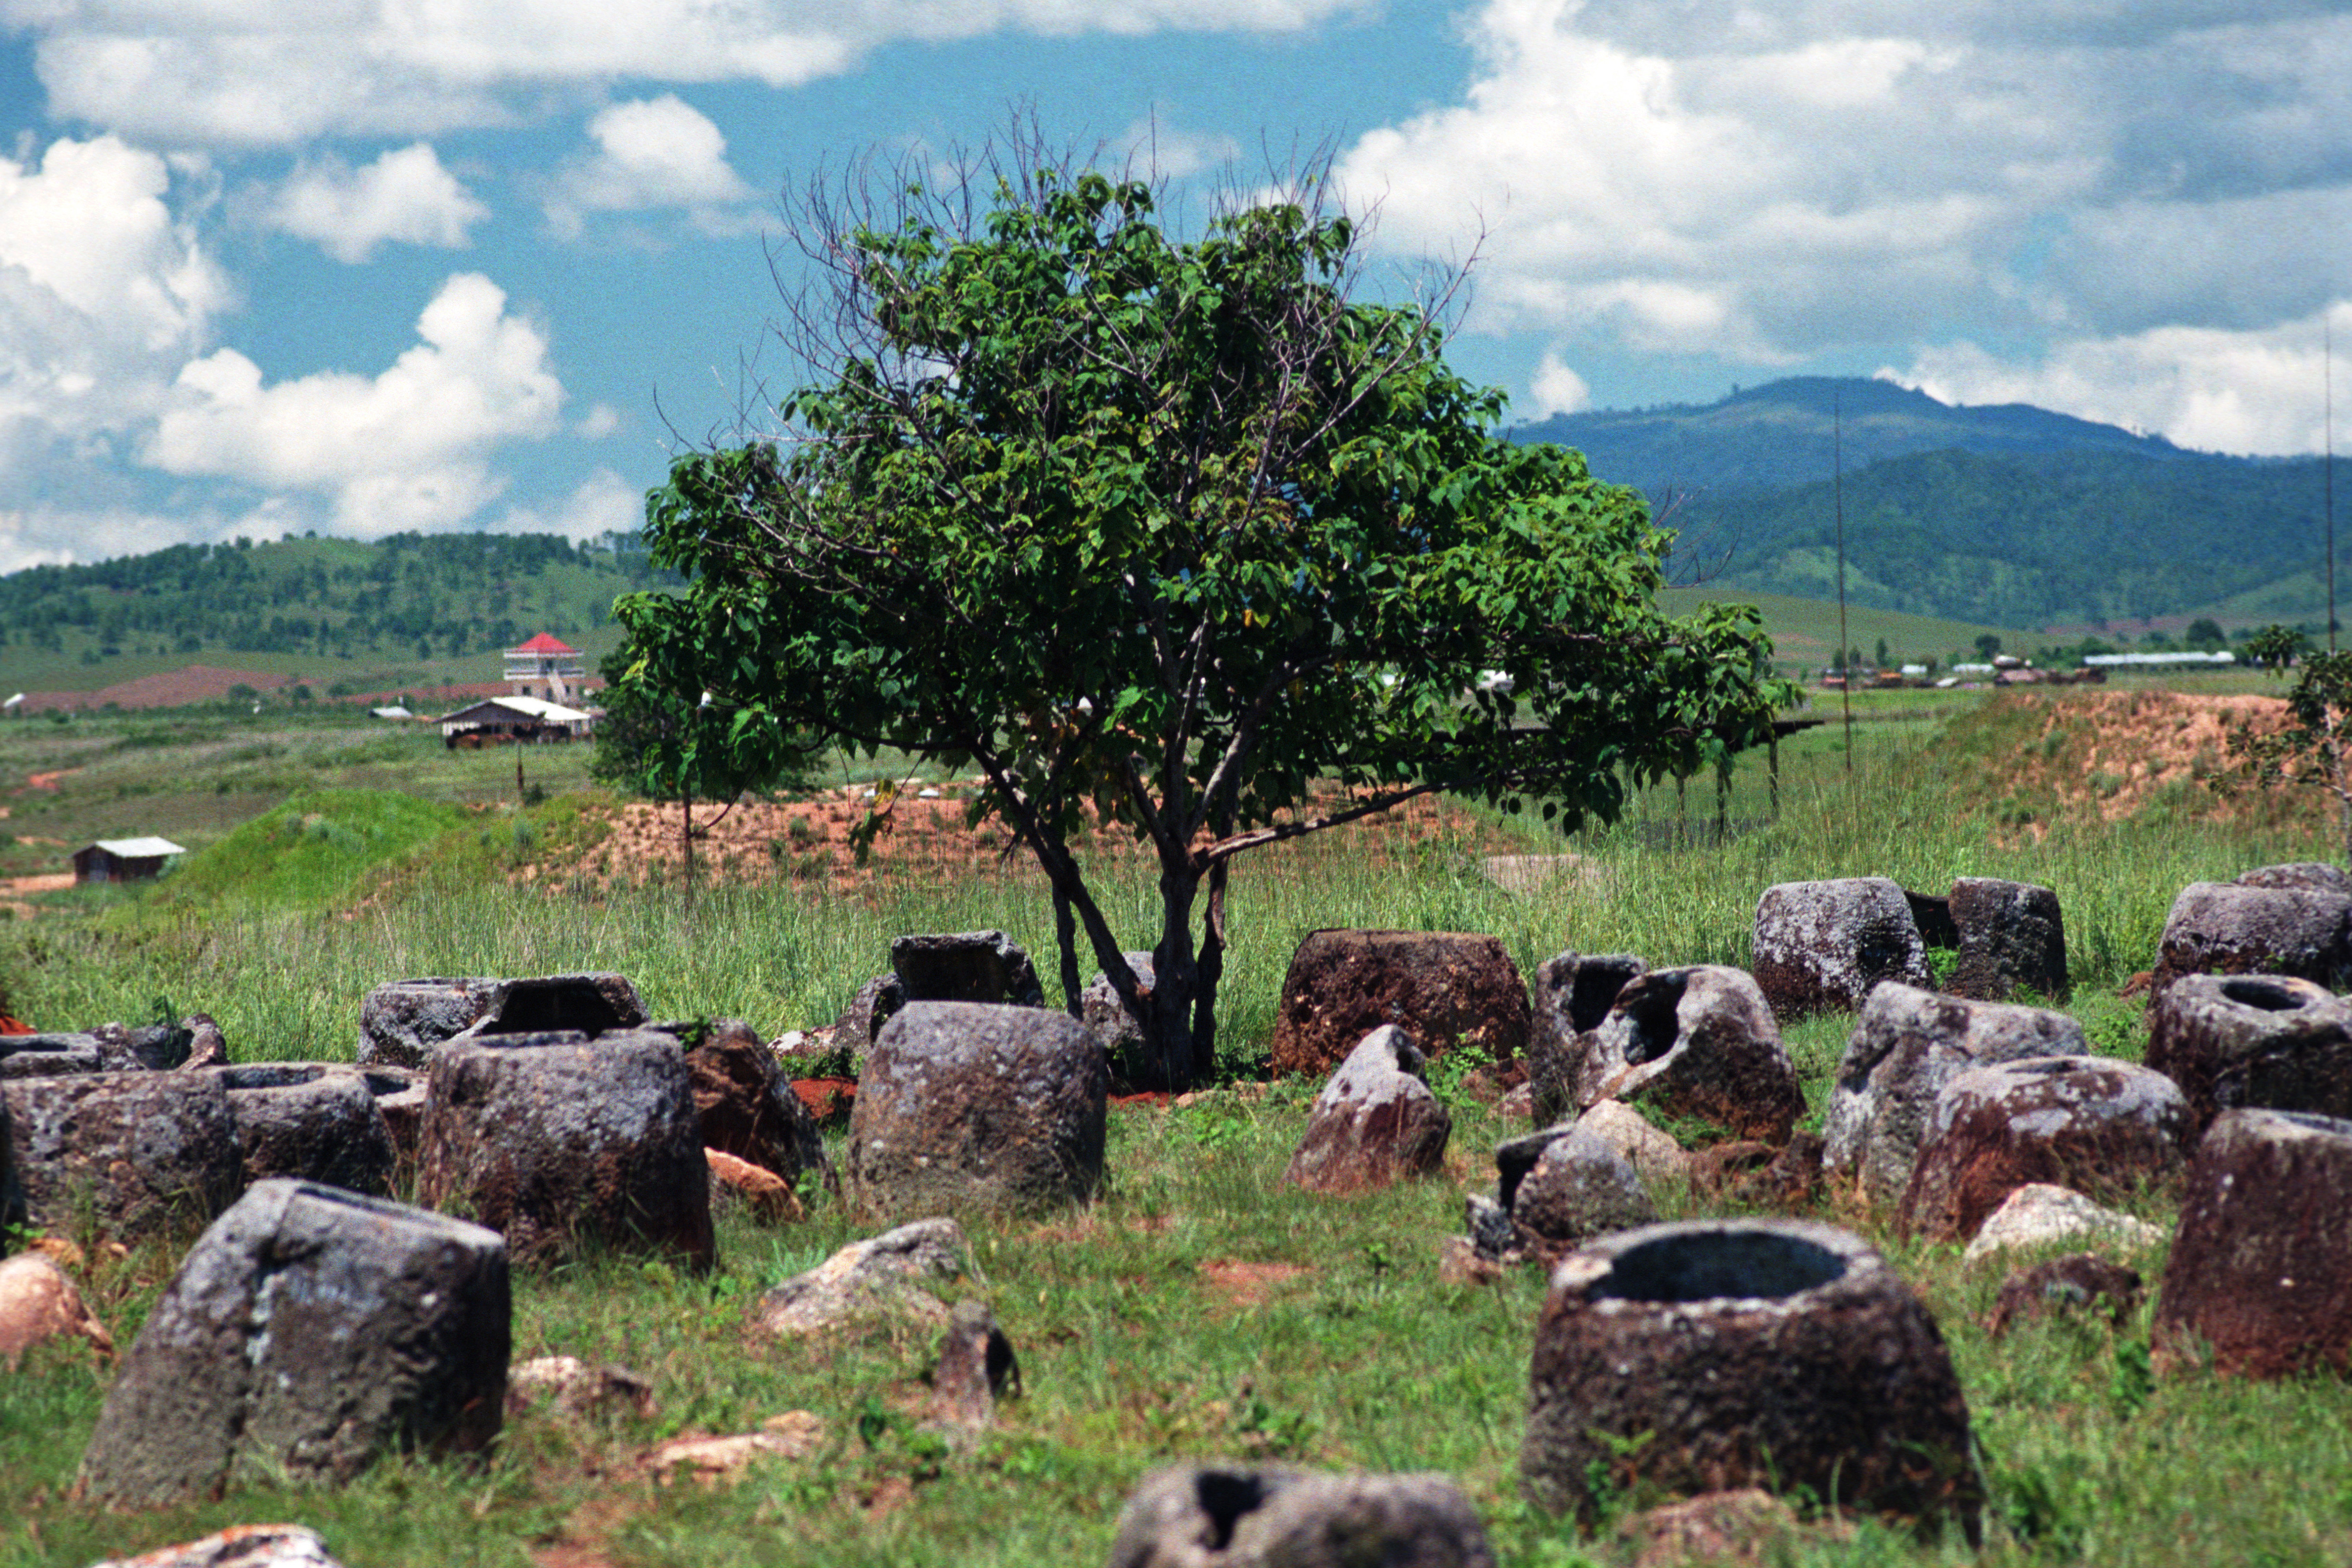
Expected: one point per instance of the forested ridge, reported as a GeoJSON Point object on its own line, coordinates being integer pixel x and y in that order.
{"type": "Point", "coordinates": [415, 595]}
{"type": "Point", "coordinates": [2009, 515]}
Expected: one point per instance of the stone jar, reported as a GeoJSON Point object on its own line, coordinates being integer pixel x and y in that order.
{"type": "Point", "coordinates": [1708, 1355]}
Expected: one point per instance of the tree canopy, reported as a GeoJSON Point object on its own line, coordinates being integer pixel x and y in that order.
{"type": "Point", "coordinates": [1176, 535]}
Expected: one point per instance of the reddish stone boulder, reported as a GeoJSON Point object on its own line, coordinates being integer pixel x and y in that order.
{"type": "Point", "coordinates": [2011, 937]}
{"type": "Point", "coordinates": [1697, 1041]}
{"type": "Point", "coordinates": [553, 1142]}
{"type": "Point", "coordinates": [1450, 990]}
{"type": "Point", "coordinates": [2261, 1269]}
{"type": "Point", "coordinates": [745, 1106]}
{"type": "Point", "coordinates": [2235, 929]}
{"type": "Point", "coordinates": [1821, 946]}
{"type": "Point", "coordinates": [1572, 994]}
{"type": "Point", "coordinates": [1709, 1355]}
{"type": "Point", "coordinates": [1906, 1046]}
{"type": "Point", "coordinates": [2099, 1126]}
{"type": "Point", "coordinates": [2270, 1041]}
{"type": "Point", "coordinates": [1375, 1124]}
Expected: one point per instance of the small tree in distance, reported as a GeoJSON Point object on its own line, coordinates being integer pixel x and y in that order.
{"type": "Point", "coordinates": [1175, 537]}
{"type": "Point", "coordinates": [2315, 747]}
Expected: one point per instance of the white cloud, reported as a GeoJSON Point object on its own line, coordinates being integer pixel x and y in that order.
{"type": "Point", "coordinates": [206, 72]}
{"type": "Point", "coordinates": [404, 195]}
{"type": "Point", "coordinates": [404, 450]}
{"type": "Point", "coordinates": [2262, 392]}
{"type": "Point", "coordinates": [600, 420]}
{"type": "Point", "coordinates": [1158, 148]}
{"type": "Point", "coordinates": [1767, 181]}
{"type": "Point", "coordinates": [603, 503]}
{"type": "Point", "coordinates": [653, 152]}
{"type": "Point", "coordinates": [1557, 389]}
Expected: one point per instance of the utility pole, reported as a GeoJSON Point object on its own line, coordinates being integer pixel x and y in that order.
{"type": "Point", "coordinates": [1837, 490]}
{"type": "Point", "coordinates": [2327, 465]}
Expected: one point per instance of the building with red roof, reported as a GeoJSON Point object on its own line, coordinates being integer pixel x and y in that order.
{"type": "Point", "coordinates": [545, 667]}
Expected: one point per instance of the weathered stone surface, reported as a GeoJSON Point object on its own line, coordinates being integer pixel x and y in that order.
{"type": "Point", "coordinates": [400, 1094]}
{"type": "Point", "coordinates": [49, 1056]}
{"type": "Point", "coordinates": [1653, 1153]}
{"type": "Point", "coordinates": [1579, 1188]}
{"type": "Point", "coordinates": [138, 1152]}
{"type": "Point", "coordinates": [1121, 1038]}
{"type": "Point", "coordinates": [965, 966]}
{"type": "Point", "coordinates": [1488, 1224]}
{"type": "Point", "coordinates": [2100, 1126]}
{"type": "Point", "coordinates": [316, 1121]}
{"type": "Point", "coordinates": [38, 1303]}
{"type": "Point", "coordinates": [556, 1144]}
{"type": "Point", "coordinates": [207, 1048]}
{"type": "Point", "coordinates": [402, 1021]}
{"type": "Point", "coordinates": [2040, 1214]}
{"type": "Point", "coordinates": [1272, 1516]}
{"type": "Point", "coordinates": [1695, 1041]}
{"type": "Point", "coordinates": [2012, 936]}
{"type": "Point", "coordinates": [875, 1004]}
{"type": "Point", "coordinates": [794, 1434]}
{"type": "Point", "coordinates": [2260, 1041]}
{"type": "Point", "coordinates": [976, 1368]}
{"type": "Point", "coordinates": [2301, 877]}
{"type": "Point", "coordinates": [745, 1106]}
{"type": "Point", "coordinates": [572, 1387]}
{"type": "Point", "coordinates": [2218, 928]}
{"type": "Point", "coordinates": [2074, 1283]}
{"type": "Point", "coordinates": [2261, 1269]}
{"type": "Point", "coordinates": [765, 1193]}
{"type": "Point", "coordinates": [1450, 990]}
{"type": "Point", "coordinates": [145, 1047]}
{"type": "Point", "coordinates": [1932, 913]}
{"type": "Point", "coordinates": [308, 1330]}
{"type": "Point", "coordinates": [969, 1105]}
{"type": "Point", "coordinates": [1572, 994]}
{"type": "Point", "coordinates": [1751, 1352]}
{"type": "Point", "coordinates": [1821, 946]}
{"type": "Point", "coordinates": [1906, 1045]}
{"type": "Point", "coordinates": [884, 1277]}
{"type": "Point", "coordinates": [1375, 1122]}
{"type": "Point", "coordinates": [239, 1546]}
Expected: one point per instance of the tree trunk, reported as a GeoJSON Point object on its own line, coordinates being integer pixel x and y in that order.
{"type": "Point", "coordinates": [1066, 937]}
{"type": "Point", "coordinates": [686, 842]}
{"type": "Point", "coordinates": [1175, 979]}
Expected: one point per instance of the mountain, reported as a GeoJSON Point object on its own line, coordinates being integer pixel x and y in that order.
{"type": "Point", "coordinates": [1769, 437]}
{"type": "Point", "coordinates": [2008, 514]}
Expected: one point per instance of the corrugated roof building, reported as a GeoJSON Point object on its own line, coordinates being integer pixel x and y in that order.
{"type": "Point", "coordinates": [123, 860]}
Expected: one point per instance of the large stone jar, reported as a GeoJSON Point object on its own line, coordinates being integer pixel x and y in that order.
{"type": "Point", "coordinates": [1714, 1354]}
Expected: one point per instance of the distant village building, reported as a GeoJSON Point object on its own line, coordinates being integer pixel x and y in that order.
{"type": "Point", "coordinates": [546, 669]}
{"type": "Point", "coordinates": [123, 860]}
{"type": "Point", "coordinates": [509, 720]}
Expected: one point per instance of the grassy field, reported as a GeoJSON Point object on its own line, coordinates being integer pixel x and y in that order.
{"type": "Point", "coordinates": [1140, 1342]}
{"type": "Point", "coordinates": [1805, 631]}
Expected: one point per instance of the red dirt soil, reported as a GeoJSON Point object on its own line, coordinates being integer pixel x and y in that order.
{"type": "Point", "coordinates": [172, 689]}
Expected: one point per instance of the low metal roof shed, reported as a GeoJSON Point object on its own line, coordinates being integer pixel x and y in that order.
{"type": "Point", "coordinates": [123, 860]}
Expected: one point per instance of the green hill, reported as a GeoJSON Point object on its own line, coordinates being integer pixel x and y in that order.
{"type": "Point", "coordinates": [2009, 516]}
{"type": "Point", "coordinates": [310, 852]}
{"type": "Point", "coordinates": [410, 610]}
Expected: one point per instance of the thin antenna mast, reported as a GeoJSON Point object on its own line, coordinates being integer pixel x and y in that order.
{"type": "Point", "coordinates": [1837, 489]}
{"type": "Point", "coordinates": [2327, 466]}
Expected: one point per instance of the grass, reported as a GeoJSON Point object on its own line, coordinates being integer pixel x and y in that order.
{"type": "Point", "coordinates": [1134, 1354]}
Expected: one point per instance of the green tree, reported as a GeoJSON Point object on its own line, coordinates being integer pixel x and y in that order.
{"type": "Point", "coordinates": [2205, 635]}
{"type": "Point", "coordinates": [1174, 536]}
{"type": "Point", "coordinates": [2311, 748]}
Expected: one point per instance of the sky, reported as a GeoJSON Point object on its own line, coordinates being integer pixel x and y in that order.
{"type": "Point", "coordinates": [360, 267]}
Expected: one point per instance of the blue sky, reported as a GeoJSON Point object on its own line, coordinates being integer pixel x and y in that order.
{"type": "Point", "coordinates": [361, 265]}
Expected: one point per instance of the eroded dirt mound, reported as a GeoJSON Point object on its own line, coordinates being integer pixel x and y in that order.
{"type": "Point", "coordinates": [2113, 755]}
{"type": "Point", "coordinates": [807, 841]}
